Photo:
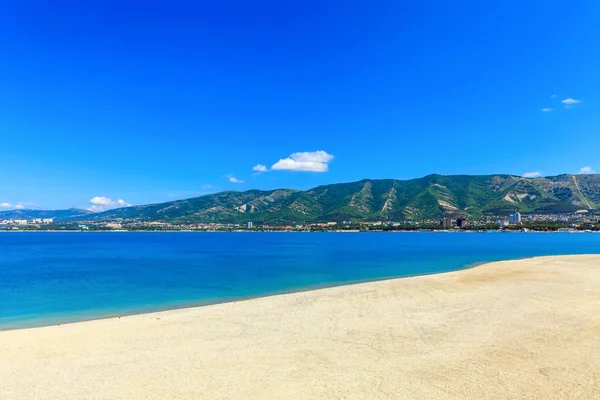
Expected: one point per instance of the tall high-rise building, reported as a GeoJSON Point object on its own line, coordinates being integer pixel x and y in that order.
{"type": "Point", "coordinates": [515, 218]}
{"type": "Point", "coordinates": [446, 223]}
{"type": "Point", "coordinates": [249, 225]}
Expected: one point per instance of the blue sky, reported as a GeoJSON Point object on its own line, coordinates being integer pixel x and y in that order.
{"type": "Point", "coordinates": [153, 101]}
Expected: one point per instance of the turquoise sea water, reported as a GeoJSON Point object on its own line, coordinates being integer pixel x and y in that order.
{"type": "Point", "coordinates": [49, 278]}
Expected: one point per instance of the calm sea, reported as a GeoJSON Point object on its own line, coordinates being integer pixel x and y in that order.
{"type": "Point", "coordinates": [49, 278]}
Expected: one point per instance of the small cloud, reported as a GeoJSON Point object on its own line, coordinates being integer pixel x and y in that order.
{"type": "Point", "coordinates": [309, 161]}
{"type": "Point", "coordinates": [101, 203]}
{"type": "Point", "coordinates": [233, 179]}
{"type": "Point", "coordinates": [570, 101]}
{"type": "Point", "coordinates": [18, 206]}
{"type": "Point", "coordinates": [553, 96]}
{"type": "Point", "coordinates": [534, 174]}
{"type": "Point", "coordinates": [587, 170]}
{"type": "Point", "coordinates": [546, 109]}
{"type": "Point", "coordinates": [260, 168]}
{"type": "Point", "coordinates": [206, 187]}
{"type": "Point", "coordinates": [100, 200]}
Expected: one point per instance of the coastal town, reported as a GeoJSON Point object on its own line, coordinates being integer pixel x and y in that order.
{"type": "Point", "coordinates": [572, 222]}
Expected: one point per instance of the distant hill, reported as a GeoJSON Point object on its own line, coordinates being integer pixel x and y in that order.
{"type": "Point", "coordinates": [58, 215]}
{"type": "Point", "coordinates": [429, 197]}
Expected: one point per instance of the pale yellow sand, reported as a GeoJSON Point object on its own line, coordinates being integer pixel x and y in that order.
{"type": "Point", "coordinates": [511, 330]}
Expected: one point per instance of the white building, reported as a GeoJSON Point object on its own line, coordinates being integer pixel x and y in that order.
{"type": "Point", "coordinates": [515, 218]}
{"type": "Point", "coordinates": [48, 220]}
{"type": "Point", "coordinates": [249, 225]}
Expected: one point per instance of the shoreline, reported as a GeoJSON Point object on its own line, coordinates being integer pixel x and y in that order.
{"type": "Point", "coordinates": [507, 329]}
{"type": "Point", "coordinates": [298, 231]}
{"type": "Point", "coordinates": [195, 305]}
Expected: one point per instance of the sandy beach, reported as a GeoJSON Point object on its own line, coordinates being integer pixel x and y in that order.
{"type": "Point", "coordinates": [527, 329]}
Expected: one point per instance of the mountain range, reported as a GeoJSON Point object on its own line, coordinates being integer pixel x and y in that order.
{"type": "Point", "coordinates": [61, 215]}
{"type": "Point", "coordinates": [430, 197]}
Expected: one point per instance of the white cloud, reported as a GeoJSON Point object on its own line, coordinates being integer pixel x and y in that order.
{"type": "Point", "coordinates": [546, 109]}
{"type": "Point", "coordinates": [206, 187]}
{"type": "Point", "coordinates": [259, 168]}
{"type": "Point", "coordinates": [569, 101]}
{"type": "Point", "coordinates": [18, 206]}
{"type": "Point", "coordinates": [233, 179]}
{"type": "Point", "coordinates": [534, 174]}
{"type": "Point", "coordinates": [587, 170]}
{"type": "Point", "coordinates": [553, 96]}
{"type": "Point", "coordinates": [101, 203]}
{"type": "Point", "coordinates": [308, 161]}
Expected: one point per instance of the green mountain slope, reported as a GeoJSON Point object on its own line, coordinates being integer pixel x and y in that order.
{"type": "Point", "coordinates": [429, 197]}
